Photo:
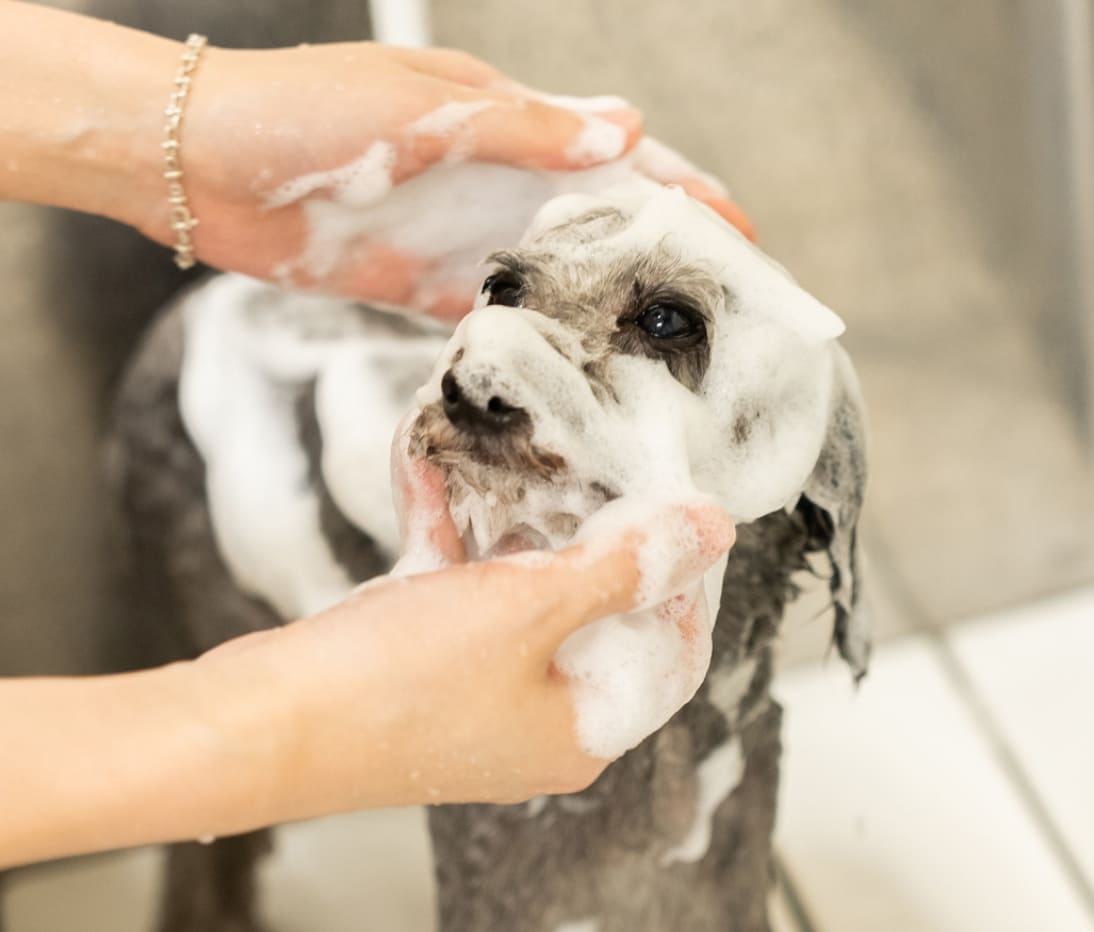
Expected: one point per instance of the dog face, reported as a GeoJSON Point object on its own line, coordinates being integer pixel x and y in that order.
{"type": "Point", "coordinates": [636, 344]}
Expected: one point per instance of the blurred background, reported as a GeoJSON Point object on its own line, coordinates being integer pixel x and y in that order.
{"type": "Point", "coordinates": [927, 170]}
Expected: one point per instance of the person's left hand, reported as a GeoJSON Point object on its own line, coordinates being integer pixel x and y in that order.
{"type": "Point", "coordinates": [297, 162]}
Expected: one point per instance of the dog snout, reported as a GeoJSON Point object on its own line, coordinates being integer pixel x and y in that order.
{"type": "Point", "coordinates": [495, 416]}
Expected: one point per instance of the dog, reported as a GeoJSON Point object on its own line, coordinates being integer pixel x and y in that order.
{"type": "Point", "coordinates": [633, 344]}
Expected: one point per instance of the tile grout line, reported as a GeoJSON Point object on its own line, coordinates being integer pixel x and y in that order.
{"type": "Point", "coordinates": [1004, 753]}
{"type": "Point", "coordinates": [792, 895]}
{"type": "Point", "coordinates": [1017, 774]}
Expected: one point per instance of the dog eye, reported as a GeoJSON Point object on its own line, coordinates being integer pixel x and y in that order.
{"type": "Point", "coordinates": [504, 288]}
{"type": "Point", "coordinates": [668, 322]}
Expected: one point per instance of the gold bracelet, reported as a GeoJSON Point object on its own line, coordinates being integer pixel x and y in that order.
{"type": "Point", "coordinates": [182, 221]}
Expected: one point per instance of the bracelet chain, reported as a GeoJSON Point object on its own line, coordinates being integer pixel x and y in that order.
{"type": "Point", "coordinates": [182, 220]}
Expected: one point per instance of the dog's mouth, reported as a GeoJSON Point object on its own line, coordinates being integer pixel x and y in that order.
{"type": "Point", "coordinates": [506, 493]}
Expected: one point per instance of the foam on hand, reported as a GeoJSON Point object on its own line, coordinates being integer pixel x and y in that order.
{"type": "Point", "coordinates": [457, 211]}
{"type": "Point", "coordinates": [631, 673]}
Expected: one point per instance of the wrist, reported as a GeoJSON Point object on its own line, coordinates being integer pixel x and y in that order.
{"type": "Point", "coordinates": [86, 100]}
{"type": "Point", "coordinates": [318, 730]}
{"type": "Point", "coordinates": [253, 720]}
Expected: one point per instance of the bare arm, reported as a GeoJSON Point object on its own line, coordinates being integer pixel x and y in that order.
{"type": "Point", "coordinates": [82, 116]}
{"type": "Point", "coordinates": [275, 142]}
{"type": "Point", "coordinates": [437, 688]}
{"type": "Point", "coordinates": [81, 113]}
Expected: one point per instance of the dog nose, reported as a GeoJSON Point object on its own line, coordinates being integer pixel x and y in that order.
{"type": "Point", "coordinates": [497, 416]}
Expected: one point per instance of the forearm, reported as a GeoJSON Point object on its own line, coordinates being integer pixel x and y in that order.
{"type": "Point", "coordinates": [246, 736]}
{"type": "Point", "coordinates": [81, 114]}
{"type": "Point", "coordinates": [107, 762]}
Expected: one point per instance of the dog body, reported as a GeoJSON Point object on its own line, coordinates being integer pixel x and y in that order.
{"type": "Point", "coordinates": [633, 346]}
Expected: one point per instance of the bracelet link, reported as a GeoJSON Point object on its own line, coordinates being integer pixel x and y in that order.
{"type": "Point", "coordinates": [182, 221]}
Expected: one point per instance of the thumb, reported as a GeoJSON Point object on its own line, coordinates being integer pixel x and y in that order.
{"type": "Point", "coordinates": [632, 557]}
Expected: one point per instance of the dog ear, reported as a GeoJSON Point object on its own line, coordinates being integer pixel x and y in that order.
{"type": "Point", "coordinates": [830, 505]}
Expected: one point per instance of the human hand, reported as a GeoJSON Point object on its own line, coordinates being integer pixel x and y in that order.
{"type": "Point", "coordinates": [442, 687]}
{"type": "Point", "coordinates": [298, 161]}
{"type": "Point", "coordinates": [630, 672]}
{"type": "Point", "coordinates": [269, 134]}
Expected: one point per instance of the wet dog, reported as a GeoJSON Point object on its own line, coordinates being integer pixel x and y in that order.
{"type": "Point", "coordinates": [632, 345]}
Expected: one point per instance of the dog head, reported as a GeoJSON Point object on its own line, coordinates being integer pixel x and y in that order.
{"type": "Point", "coordinates": [636, 344]}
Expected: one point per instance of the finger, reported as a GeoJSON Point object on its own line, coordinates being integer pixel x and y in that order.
{"type": "Point", "coordinates": [506, 128]}
{"type": "Point", "coordinates": [630, 559]}
{"type": "Point", "coordinates": [665, 165]}
{"type": "Point", "coordinates": [429, 536]}
{"type": "Point", "coordinates": [729, 210]}
{"type": "Point", "coordinates": [534, 134]}
{"type": "Point", "coordinates": [451, 65]}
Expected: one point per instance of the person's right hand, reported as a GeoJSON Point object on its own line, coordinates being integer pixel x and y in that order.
{"type": "Point", "coordinates": [441, 687]}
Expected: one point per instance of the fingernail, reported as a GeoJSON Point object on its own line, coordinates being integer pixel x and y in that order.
{"type": "Point", "coordinates": [630, 119]}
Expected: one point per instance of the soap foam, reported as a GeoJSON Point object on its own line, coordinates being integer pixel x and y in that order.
{"type": "Point", "coordinates": [356, 184]}
{"type": "Point", "coordinates": [598, 141]}
{"type": "Point", "coordinates": [629, 674]}
{"type": "Point", "coordinates": [670, 553]}
{"type": "Point", "coordinates": [655, 159]}
{"type": "Point", "coordinates": [452, 122]}
{"type": "Point", "coordinates": [250, 351]}
{"type": "Point", "coordinates": [455, 212]}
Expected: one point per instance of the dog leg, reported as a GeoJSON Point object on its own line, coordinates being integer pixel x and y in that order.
{"type": "Point", "coordinates": [211, 888]}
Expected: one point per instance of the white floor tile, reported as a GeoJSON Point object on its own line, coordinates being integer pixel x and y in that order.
{"type": "Point", "coordinates": [1034, 671]}
{"type": "Point", "coordinates": [895, 815]}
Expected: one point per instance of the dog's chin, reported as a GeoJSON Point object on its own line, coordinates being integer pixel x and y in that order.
{"type": "Point", "coordinates": [505, 493]}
